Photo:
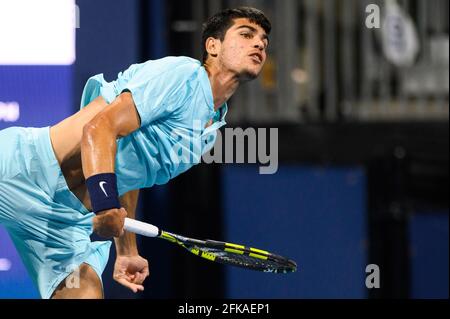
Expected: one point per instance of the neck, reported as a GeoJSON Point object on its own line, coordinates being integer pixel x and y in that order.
{"type": "Point", "coordinates": [223, 83]}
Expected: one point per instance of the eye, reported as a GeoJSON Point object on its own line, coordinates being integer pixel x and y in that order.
{"type": "Point", "coordinates": [246, 35]}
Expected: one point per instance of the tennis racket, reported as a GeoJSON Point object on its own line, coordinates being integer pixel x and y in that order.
{"type": "Point", "coordinates": [221, 252]}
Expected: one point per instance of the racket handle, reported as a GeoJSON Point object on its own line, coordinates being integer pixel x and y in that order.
{"type": "Point", "coordinates": [140, 228]}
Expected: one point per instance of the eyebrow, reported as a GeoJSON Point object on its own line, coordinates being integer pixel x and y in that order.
{"type": "Point", "coordinates": [254, 30]}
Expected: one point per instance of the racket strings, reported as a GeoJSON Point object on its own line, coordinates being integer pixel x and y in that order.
{"type": "Point", "coordinates": [247, 261]}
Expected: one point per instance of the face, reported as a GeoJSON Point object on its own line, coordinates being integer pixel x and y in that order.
{"type": "Point", "coordinates": [243, 50]}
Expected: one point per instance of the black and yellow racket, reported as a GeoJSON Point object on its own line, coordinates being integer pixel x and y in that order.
{"type": "Point", "coordinates": [221, 252]}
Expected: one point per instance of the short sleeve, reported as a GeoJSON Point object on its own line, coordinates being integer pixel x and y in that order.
{"type": "Point", "coordinates": [159, 89]}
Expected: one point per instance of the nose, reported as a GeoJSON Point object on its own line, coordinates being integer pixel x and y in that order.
{"type": "Point", "coordinates": [259, 45]}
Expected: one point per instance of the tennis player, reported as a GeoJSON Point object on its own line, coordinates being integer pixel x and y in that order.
{"type": "Point", "coordinates": [60, 184]}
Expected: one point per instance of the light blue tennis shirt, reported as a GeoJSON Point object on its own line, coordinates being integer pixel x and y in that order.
{"type": "Point", "coordinates": [174, 99]}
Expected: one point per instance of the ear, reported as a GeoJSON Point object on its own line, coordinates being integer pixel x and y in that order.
{"type": "Point", "coordinates": [212, 46]}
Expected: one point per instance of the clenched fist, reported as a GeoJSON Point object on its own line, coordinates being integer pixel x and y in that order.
{"type": "Point", "coordinates": [131, 271]}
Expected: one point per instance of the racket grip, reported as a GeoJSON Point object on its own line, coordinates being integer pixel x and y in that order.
{"type": "Point", "coordinates": [140, 228]}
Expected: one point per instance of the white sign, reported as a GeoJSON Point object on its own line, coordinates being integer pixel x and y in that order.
{"type": "Point", "coordinates": [5, 264]}
{"type": "Point", "coordinates": [38, 32]}
{"type": "Point", "coordinates": [9, 112]}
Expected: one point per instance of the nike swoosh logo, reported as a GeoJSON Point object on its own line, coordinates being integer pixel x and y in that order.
{"type": "Point", "coordinates": [101, 184]}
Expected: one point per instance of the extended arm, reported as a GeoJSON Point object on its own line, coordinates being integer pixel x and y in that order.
{"type": "Point", "coordinates": [130, 269]}
{"type": "Point", "coordinates": [98, 153]}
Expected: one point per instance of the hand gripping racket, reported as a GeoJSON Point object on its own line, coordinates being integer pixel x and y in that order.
{"type": "Point", "coordinates": [221, 252]}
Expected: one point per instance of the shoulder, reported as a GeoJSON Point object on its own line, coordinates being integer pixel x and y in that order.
{"type": "Point", "coordinates": [176, 61]}
{"type": "Point", "coordinates": [181, 67]}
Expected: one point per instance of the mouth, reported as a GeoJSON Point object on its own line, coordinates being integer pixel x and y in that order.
{"type": "Point", "coordinates": [257, 57]}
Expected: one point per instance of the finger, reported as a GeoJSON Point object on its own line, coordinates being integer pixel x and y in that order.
{"type": "Point", "coordinates": [133, 287]}
{"type": "Point", "coordinates": [123, 212]}
{"type": "Point", "coordinates": [127, 276]}
{"type": "Point", "coordinates": [139, 279]}
{"type": "Point", "coordinates": [123, 276]}
{"type": "Point", "coordinates": [133, 277]}
{"type": "Point", "coordinates": [140, 287]}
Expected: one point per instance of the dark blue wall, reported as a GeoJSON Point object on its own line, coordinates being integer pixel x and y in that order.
{"type": "Point", "coordinates": [14, 280]}
{"type": "Point", "coordinates": [429, 255]}
{"type": "Point", "coordinates": [43, 93]}
{"type": "Point", "coordinates": [316, 216]}
{"type": "Point", "coordinates": [107, 40]}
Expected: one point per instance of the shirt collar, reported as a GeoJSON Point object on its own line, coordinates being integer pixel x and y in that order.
{"type": "Point", "coordinates": [207, 91]}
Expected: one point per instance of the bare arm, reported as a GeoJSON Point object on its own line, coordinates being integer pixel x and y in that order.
{"type": "Point", "coordinates": [99, 142]}
{"type": "Point", "coordinates": [98, 153]}
{"type": "Point", "coordinates": [126, 244]}
{"type": "Point", "coordinates": [130, 269]}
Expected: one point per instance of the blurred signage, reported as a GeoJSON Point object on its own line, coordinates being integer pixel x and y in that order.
{"type": "Point", "coordinates": [37, 32]}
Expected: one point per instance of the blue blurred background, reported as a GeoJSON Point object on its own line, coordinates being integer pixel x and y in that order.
{"type": "Point", "coordinates": [363, 146]}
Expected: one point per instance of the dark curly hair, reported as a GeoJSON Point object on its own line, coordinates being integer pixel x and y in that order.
{"type": "Point", "coordinates": [218, 25]}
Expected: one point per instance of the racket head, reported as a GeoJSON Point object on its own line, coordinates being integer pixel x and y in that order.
{"type": "Point", "coordinates": [233, 254]}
